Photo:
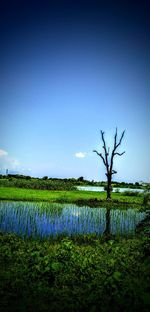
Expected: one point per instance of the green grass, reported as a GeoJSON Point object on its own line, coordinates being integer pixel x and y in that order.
{"type": "Point", "coordinates": [72, 276]}
{"type": "Point", "coordinates": [10, 193]}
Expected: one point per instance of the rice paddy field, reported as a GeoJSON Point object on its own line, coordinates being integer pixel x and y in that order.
{"type": "Point", "coordinates": [11, 193]}
{"type": "Point", "coordinates": [44, 220]}
{"type": "Point", "coordinates": [72, 251]}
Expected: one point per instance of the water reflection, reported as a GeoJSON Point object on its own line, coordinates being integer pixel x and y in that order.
{"type": "Point", "coordinates": [43, 220]}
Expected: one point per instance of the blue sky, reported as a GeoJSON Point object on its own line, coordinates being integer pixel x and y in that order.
{"type": "Point", "coordinates": [68, 72]}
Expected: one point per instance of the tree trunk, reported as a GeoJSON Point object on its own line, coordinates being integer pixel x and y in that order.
{"type": "Point", "coordinates": [109, 187]}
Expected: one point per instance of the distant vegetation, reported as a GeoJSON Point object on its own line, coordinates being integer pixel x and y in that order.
{"type": "Point", "coordinates": [81, 181]}
{"type": "Point", "coordinates": [36, 183]}
{"type": "Point", "coordinates": [45, 183]}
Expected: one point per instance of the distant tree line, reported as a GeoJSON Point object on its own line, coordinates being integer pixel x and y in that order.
{"type": "Point", "coordinates": [50, 183]}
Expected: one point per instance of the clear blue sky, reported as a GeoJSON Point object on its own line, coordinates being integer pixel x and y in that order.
{"type": "Point", "coordinates": [66, 73]}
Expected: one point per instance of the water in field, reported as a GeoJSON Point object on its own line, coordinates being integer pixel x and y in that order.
{"type": "Point", "coordinates": [44, 219]}
{"type": "Point", "coordinates": [115, 189]}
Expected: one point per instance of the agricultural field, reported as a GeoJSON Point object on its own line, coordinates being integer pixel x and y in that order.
{"type": "Point", "coordinates": [45, 220]}
{"type": "Point", "coordinates": [13, 193]}
{"type": "Point", "coordinates": [71, 250]}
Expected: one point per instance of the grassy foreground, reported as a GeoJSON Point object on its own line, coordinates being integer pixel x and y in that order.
{"type": "Point", "coordinates": [10, 193]}
{"type": "Point", "coordinates": [93, 276]}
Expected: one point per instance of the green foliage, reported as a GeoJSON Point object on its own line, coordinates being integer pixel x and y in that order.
{"type": "Point", "coordinates": [146, 199]}
{"type": "Point", "coordinates": [144, 226]}
{"type": "Point", "coordinates": [37, 184]}
{"type": "Point", "coordinates": [80, 181]}
{"type": "Point", "coordinates": [130, 193]}
{"type": "Point", "coordinates": [117, 190]}
{"type": "Point", "coordinates": [74, 276]}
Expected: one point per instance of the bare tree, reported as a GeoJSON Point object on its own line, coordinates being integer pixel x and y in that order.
{"type": "Point", "coordinates": [108, 160]}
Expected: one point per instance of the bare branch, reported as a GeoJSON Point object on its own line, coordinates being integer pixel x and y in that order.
{"type": "Point", "coordinates": [115, 147]}
{"type": "Point", "coordinates": [105, 149]}
{"type": "Point", "coordinates": [96, 152]}
{"type": "Point", "coordinates": [99, 154]}
{"type": "Point", "coordinates": [119, 154]}
{"type": "Point", "coordinates": [115, 138]}
{"type": "Point", "coordinates": [113, 172]}
{"type": "Point", "coordinates": [102, 134]}
{"type": "Point", "coordinates": [121, 138]}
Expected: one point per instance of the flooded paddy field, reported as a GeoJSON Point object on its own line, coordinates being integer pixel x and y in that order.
{"type": "Point", "coordinates": [40, 220]}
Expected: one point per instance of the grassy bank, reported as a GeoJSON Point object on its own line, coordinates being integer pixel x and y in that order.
{"type": "Point", "coordinates": [10, 193]}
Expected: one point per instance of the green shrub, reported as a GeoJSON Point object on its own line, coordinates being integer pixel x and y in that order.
{"type": "Point", "coordinates": [130, 193]}
{"type": "Point", "coordinates": [146, 199]}
{"type": "Point", "coordinates": [117, 191]}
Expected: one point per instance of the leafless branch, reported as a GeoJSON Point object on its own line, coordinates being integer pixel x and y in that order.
{"type": "Point", "coordinates": [121, 138]}
{"type": "Point", "coordinates": [119, 154]}
{"type": "Point", "coordinates": [99, 154]}
{"type": "Point", "coordinates": [96, 152]}
{"type": "Point", "coordinates": [115, 147]}
{"type": "Point", "coordinates": [115, 138]}
{"type": "Point", "coordinates": [105, 149]}
{"type": "Point", "coordinates": [114, 172]}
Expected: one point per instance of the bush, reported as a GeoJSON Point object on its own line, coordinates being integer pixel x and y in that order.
{"type": "Point", "coordinates": [117, 191]}
{"type": "Point", "coordinates": [146, 199]}
{"type": "Point", "coordinates": [130, 193]}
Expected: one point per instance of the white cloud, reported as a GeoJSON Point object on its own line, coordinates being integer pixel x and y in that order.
{"type": "Point", "coordinates": [3, 153]}
{"type": "Point", "coordinates": [80, 155]}
{"type": "Point", "coordinates": [12, 164]}
{"type": "Point", "coordinates": [7, 162]}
